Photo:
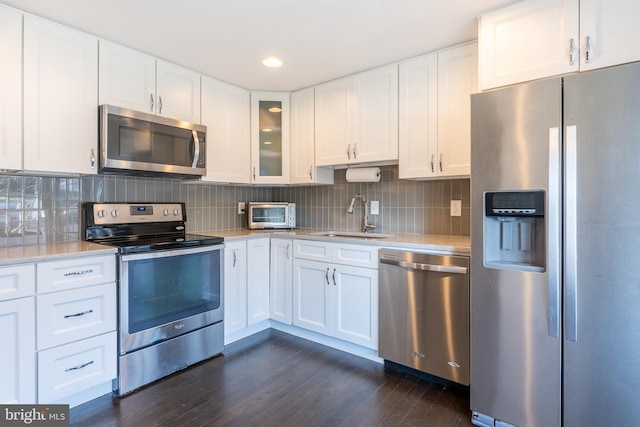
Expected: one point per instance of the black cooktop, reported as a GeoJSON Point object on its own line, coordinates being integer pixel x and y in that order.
{"type": "Point", "coordinates": [161, 243]}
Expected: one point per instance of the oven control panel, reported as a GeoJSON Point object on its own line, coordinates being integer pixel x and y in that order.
{"type": "Point", "coordinates": [128, 213]}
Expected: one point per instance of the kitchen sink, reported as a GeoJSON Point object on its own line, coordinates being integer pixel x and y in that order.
{"type": "Point", "coordinates": [356, 234]}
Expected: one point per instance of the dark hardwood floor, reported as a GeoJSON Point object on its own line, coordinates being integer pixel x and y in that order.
{"type": "Point", "coordinates": [276, 379]}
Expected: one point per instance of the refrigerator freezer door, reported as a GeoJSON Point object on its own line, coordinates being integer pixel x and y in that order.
{"type": "Point", "coordinates": [515, 348]}
{"type": "Point", "coordinates": [602, 238]}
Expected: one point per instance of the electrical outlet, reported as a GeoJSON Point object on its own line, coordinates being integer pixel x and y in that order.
{"type": "Point", "coordinates": [456, 208]}
{"type": "Point", "coordinates": [241, 207]}
{"type": "Point", "coordinates": [375, 207]}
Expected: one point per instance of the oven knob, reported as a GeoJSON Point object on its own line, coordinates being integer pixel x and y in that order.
{"type": "Point", "coordinates": [100, 213]}
{"type": "Point", "coordinates": [176, 212]}
{"type": "Point", "coordinates": [114, 213]}
{"type": "Point", "coordinates": [165, 212]}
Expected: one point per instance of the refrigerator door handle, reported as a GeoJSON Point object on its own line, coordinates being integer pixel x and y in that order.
{"type": "Point", "coordinates": [571, 237]}
{"type": "Point", "coordinates": [554, 237]}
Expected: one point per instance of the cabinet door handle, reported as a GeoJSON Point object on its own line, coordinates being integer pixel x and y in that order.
{"type": "Point", "coordinates": [75, 368]}
{"type": "Point", "coordinates": [160, 105]}
{"type": "Point", "coordinates": [310, 174]}
{"type": "Point", "coordinates": [348, 151]}
{"type": "Point", "coordinates": [572, 50]}
{"type": "Point", "coordinates": [587, 50]}
{"type": "Point", "coordinates": [432, 158]}
{"type": "Point", "coordinates": [355, 150]}
{"type": "Point", "coordinates": [326, 275]}
{"type": "Point", "coordinates": [254, 173]}
{"type": "Point", "coordinates": [93, 158]}
{"type": "Point", "coordinates": [83, 313]}
{"type": "Point", "coordinates": [288, 253]}
{"type": "Point", "coordinates": [153, 103]}
{"type": "Point", "coordinates": [440, 162]}
{"type": "Point", "coordinates": [334, 277]}
{"type": "Point", "coordinates": [235, 258]}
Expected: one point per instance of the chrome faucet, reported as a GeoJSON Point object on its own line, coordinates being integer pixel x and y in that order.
{"type": "Point", "coordinates": [366, 226]}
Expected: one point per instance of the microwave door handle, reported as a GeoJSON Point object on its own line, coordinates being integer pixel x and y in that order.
{"type": "Point", "coordinates": [196, 147]}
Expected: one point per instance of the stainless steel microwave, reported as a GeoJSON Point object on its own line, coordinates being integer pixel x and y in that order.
{"type": "Point", "coordinates": [268, 215]}
{"type": "Point", "coordinates": [139, 143]}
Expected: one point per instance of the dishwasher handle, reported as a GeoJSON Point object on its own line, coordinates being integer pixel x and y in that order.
{"type": "Point", "coordinates": [426, 267]}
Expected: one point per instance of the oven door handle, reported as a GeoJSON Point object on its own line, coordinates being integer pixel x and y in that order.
{"type": "Point", "coordinates": [173, 252]}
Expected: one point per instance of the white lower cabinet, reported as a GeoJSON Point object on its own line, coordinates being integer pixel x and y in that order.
{"type": "Point", "coordinates": [336, 299]}
{"type": "Point", "coordinates": [246, 287]}
{"type": "Point", "coordinates": [235, 286]}
{"type": "Point", "coordinates": [76, 328]}
{"type": "Point", "coordinates": [69, 369]}
{"type": "Point", "coordinates": [17, 351]}
{"type": "Point", "coordinates": [257, 280]}
{"type": "Point", "coordinates": [280, 280]}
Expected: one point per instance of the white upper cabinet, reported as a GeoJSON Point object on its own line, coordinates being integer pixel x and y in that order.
{"type": "Point", "coordinates": [435, 136]}
{"type": "Point", "coordinates": [457, 80]}
{"type": "Point", "coordinates": [536, 39]}
{"type": "Point", "coordinates": [134, 80]}
{"type": "Point", "coordinates": [10, 89]}
{"type": "Point", "coordinates": [609, 33]}
{"type": "Point", "coordinates": [357, 118]}
{"type": "Point", "coordinates": [60, 98]}
{"type": "Point", "coordinates": [303, 165]}
{"type": "Point", "coordinates": [270, 137]}
{"type": "Point", "coordinates": [225, 113]}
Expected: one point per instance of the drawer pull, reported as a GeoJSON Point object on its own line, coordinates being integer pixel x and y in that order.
{"type": "Point", "coordinates": [78, 314]}
{"type": "Point", "coordinates": [75, 368]}
{"type": "Point", "coordinates": [78, 273]}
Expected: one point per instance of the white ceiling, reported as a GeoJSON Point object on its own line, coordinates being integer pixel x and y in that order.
{"type": "Point", "coordinates": [318, 40]}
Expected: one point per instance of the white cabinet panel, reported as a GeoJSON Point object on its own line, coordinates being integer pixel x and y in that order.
{"type": "Point", "coordinates": [302, 141]}
{"type": "Point", "coordinates": [280, 282]}
{"type": "Point", "coordinates": [311, 296]}
{"type": "Point", "coordinates": [75, 273]}
{"type": "Point", "coordinates": [60, 98]}
{"type": "Point", "coordinates": [355, 305]}
{"type": "Point", "coordinates": [357, 118]}
{"type": "Point", "coordinates": [312, 250]}
{"type": "Point", "coordinates": [178, 92]}
{"type": "Point", "coordinates": [257, 280]}
{"type": "Point", "coordinates": [235, 286]}
{"type": "Point", "coordinates": [71, 368]}
{"type": "Point", "coordinates": [225, 113]}
{"type": "Point", "coordinates": [17, 281]}
{"type": "Point", "coordinates": [127, 78]}
{"type": "Point", "coordinates": [270, 127]}
{"type": "Point", "coordinates": [18, 351]}
{"type": "Point", "coordinates": [73, 315]}
{"type": "Point", "coordinates": [10, 89]}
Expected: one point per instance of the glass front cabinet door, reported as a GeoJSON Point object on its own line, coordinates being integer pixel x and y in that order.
{"type": "Point", "coordinates": [269, 138]}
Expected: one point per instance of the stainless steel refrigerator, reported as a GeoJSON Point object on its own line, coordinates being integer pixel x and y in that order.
{"type": "Point", "coordinates": [555, 231]}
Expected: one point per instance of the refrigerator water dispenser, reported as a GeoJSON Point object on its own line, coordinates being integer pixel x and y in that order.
{"type": "Point", "coordinates": [514, 230]}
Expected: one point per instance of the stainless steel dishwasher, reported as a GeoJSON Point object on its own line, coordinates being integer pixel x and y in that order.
{"type": "Point", "coordinates": [424, 312]}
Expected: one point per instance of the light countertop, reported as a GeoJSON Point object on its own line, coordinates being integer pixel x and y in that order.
{"type": "Point", "coordinates": [51, 251]}
{"type": "Point", "coordinates": [460, 245]}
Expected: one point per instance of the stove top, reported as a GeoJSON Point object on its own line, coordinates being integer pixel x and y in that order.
{"type": "Point", "coordinates": [140, 227]}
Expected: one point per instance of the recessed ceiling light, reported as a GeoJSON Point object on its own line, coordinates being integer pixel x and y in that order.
{"type": "Point", "coordinates": [275, 110]}
{"type": "Point", "coordinates": [272, 61]}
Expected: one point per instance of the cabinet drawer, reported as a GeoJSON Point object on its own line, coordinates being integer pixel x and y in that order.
{"type": "Point", "coordinates": [71, 368]}
{"type": "Point", "coordinates": [69, 316]}
{"type": "Point", "coordinates": [356, 255]}
{"type": "Point", "coordinates": [17, 281]}
{"type": "Point", "coordinates": [312, 250]}
{"type": "Point", "coordinates": [75, 273]}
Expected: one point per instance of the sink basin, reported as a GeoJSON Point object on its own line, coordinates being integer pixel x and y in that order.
{"type": "Point", "coordinates": [357, 234]}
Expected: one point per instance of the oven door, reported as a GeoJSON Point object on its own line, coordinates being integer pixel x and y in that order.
{"type": "Point", "coordinates": [165, 294]}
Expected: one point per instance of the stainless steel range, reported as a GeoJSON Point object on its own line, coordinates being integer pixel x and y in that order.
{"type": "Point", "coordinates": [170, 288]}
